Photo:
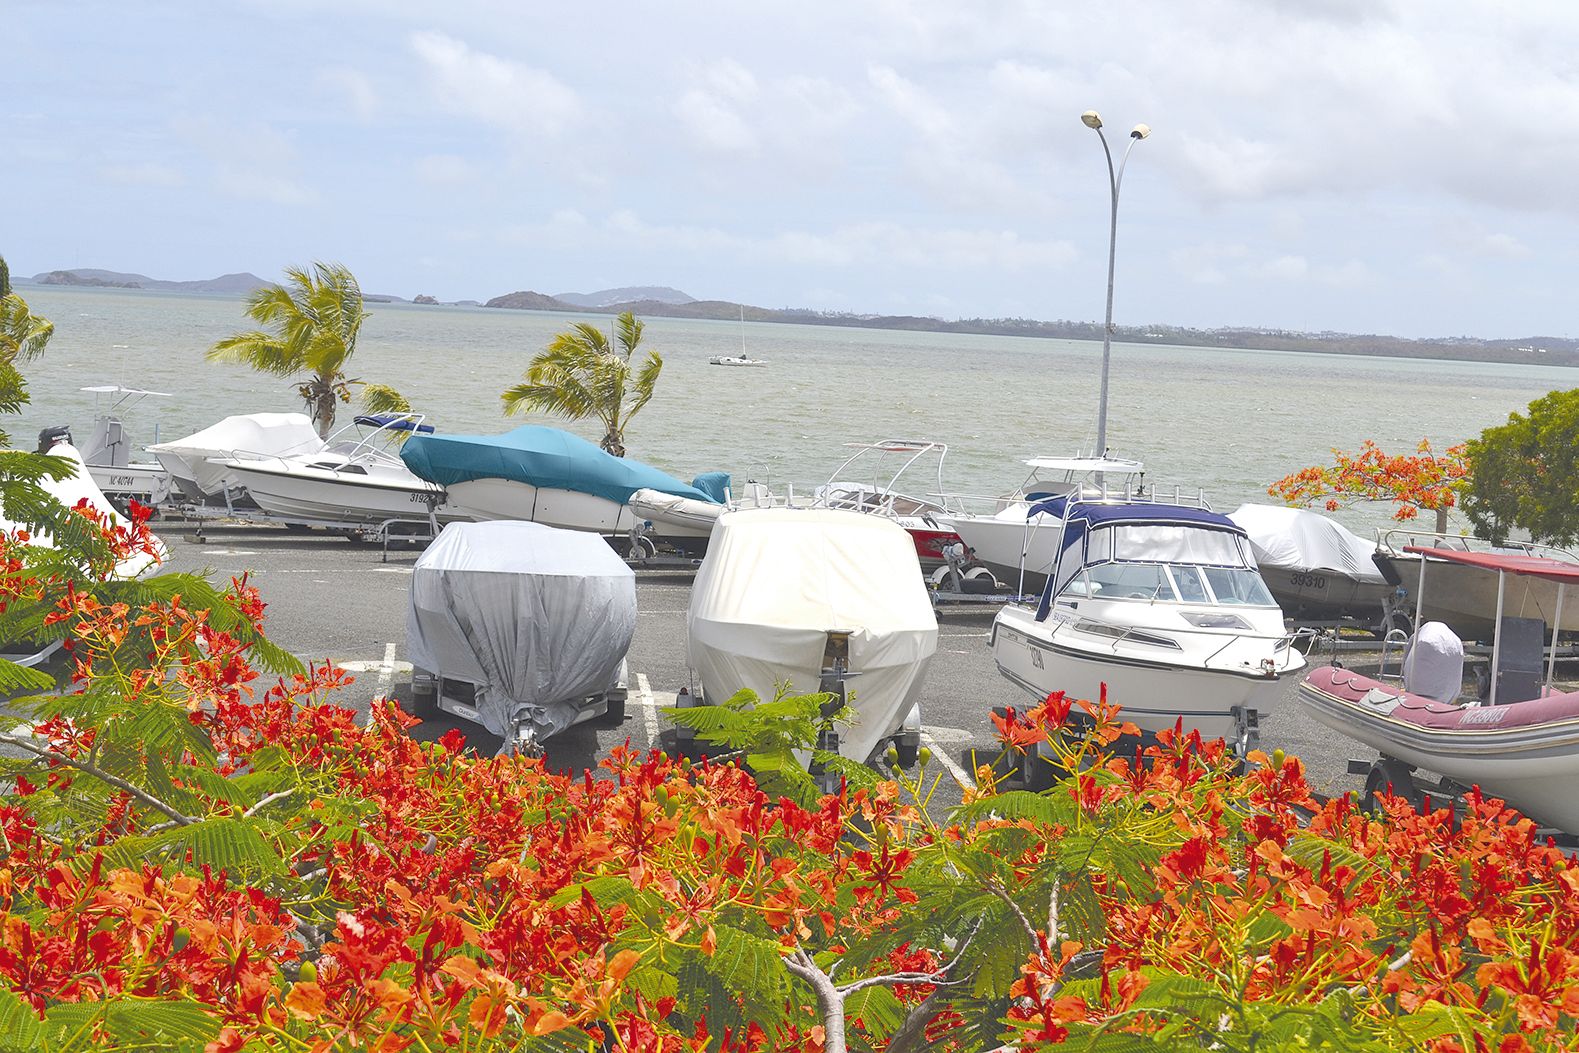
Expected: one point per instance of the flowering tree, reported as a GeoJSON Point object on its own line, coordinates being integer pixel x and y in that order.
{"type": "Point", "coordinates": [197, 856]}
{"type": "Point", "coordinates": [1423, 479]}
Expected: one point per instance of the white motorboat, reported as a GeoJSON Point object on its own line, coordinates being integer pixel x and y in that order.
{"type": "Point", "coordinates": [1019, 545]}
{"type": "Point", "coordinates": [868, 481]}
{"type": "Point", "coordinates": [355, 480]}
{"type": "Point", "coordinates": [1521, 744]}
{"type": "Point", "coordinates": [1163, 604]}
{"type": "Point", "coordinates": [544, 475]}
{"type": "Point", "coordinates": [1461, 595]}
{"type": "Point", "coordinates": [735, 360]}
{"type": "Point", "coordinates": [79, 487]}
{"type": "Point", "coordinates": [1314, 568]}
{"type": "Point", "coordinates": [786, 595]}
{"type": "Point", "coordinates": [109, 453]}
{"type": "Point", "coordinates": [196, 463]}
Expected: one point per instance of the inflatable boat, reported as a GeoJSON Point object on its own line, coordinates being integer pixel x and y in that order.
{"type": "Point", "coordinates": [1517, 738]}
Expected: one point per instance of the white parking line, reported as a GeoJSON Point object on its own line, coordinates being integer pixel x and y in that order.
{"type": "Point", "coordinates": [386, 671]}
{"type": "Point", "coordinates": [649, 711]}
{"type": "Point", "coordinates": [948, 762]}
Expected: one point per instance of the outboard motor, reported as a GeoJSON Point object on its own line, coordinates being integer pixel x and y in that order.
{"type": "Point", "coordinates": [1434, 666]}
{"type": "Point", "coordinates": [50, 436]}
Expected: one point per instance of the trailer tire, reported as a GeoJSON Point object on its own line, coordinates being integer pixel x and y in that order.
{"type": "Point", "coordinates": [909, 751]}
{"type": "Point", "coordinates": [1386, 773]}
{"type": "Point", "coordinates": [614, 716]}
{"type": "Point", "coordinates": [1038, 772]}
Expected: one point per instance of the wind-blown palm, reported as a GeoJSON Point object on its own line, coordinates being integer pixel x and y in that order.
{"type": "Point", "coordinates": [580, 374]}
{"type": "Point", "coordinates": [22, 333]}
{"type": "Point", "coordinates": [315, 318]}
{"type": "Point", "coordinates": [23, 336]}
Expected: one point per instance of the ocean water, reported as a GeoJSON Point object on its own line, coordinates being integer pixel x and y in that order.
{"type": "Point", "coordinates": [1228, 422]}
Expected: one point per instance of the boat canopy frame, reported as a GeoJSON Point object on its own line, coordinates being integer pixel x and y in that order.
{"type": "Point", "coordinates": [887, 494]}
{"type": "Point", "coordinates": [1519, 564]}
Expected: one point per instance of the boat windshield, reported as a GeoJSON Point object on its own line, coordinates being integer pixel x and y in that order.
{"type": "Point", "coordinates": [1165, 563]}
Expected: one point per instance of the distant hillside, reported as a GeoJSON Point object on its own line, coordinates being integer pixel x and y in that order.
{"type": "Point", "coordinates": [235, 284]}
{"type": "Point", "coordinates": [1532, 350]}
{"type": "Point", "coordinates": [628, 294]}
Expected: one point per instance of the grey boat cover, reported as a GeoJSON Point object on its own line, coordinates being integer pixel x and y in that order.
{"type": "Point", "coordinates": [1299, 539]}
{"type": "Point", "coordinates": [534, 616]}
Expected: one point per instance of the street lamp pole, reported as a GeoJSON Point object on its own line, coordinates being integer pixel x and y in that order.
{"type": "Point", "coordinates": [1115, 180]}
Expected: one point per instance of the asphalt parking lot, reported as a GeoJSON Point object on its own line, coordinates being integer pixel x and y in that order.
{"type": "Point", "coordinates": [330, 598]}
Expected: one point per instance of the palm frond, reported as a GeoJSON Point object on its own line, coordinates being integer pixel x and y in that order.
{"type": "Point", "coordinates": [381, 398]}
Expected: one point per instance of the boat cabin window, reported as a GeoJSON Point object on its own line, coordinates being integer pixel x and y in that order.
{"type": "Point", "coordinates": [1166, 564]}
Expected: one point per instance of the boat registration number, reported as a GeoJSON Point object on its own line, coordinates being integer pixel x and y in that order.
{"type": "Point", "coordinates": [1308, 581]}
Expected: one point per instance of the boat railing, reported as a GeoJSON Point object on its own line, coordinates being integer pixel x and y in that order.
{"type": "Point", "coordinates": [1393, 540]}
{"type": "Point", "coordinates": [1090, 493]}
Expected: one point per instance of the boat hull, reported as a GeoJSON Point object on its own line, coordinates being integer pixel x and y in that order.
{"type": "Point", "coordinates": [1043, 657]}
{"type": "Point", "coordinates": [1307, 595]}
{"type": "Point", "coordinates": [999, 544]}
{"type": "Point", "coordinates": [1526, 753]}
{"type": "Point", "coordinates": [325, 497]}
{"type": "Point", "coordinates": [1465, 597]}
{"type": "Point", "coordinates": [147, 484]}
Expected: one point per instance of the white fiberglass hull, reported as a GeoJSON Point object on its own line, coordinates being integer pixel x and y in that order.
{"type": "Point", "coordinates": [494, 498]}
{"type": "Point", "coordinates": [1466, 597]}
{"type": "Point", "coordinates": [326, 496]}
{"type": "Point", "coordinates": [999, 543]}
{"type": "Point", "coordinates": [146, 483]}
{"type": "Point", "coordinates": [1154, 691]}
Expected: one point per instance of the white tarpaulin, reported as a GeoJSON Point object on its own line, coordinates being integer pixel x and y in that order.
{"type": "Point", "coordinates": [1434, 665]}
{"type": "Point", "coordinates": [195, 459]}
{"type": "Point", "coordinates": [78, 487]}
{"type": "Point", "coordinates": [1299, 539]}
{"type": "Point", "coordinates": [535, 617]}
{"type": "Point", "coordinates": [775, 581]}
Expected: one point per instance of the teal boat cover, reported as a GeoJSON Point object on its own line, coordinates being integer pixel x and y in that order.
{"type": "Point", "coordinates": [544, 457]}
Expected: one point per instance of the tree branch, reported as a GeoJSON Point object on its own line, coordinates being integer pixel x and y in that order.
{"type": "Point", "coordinates": [179, 818]}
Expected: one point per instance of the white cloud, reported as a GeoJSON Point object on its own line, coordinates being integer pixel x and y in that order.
{"type": "Point", "coordinates": [354, 88]}
{"type": "Point", "coordinates": [444, 169]}
{"type": "Point", "coordinates": [142, 173]}
{"type": "Point", "coordinates": [253, 162]}
{"type": "Point", "coordinates": [494, 90]}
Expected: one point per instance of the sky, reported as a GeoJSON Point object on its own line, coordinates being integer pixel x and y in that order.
{"type": "Point", "coordinates": [1354, 165]}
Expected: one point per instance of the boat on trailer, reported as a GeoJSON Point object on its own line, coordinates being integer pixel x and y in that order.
{"type": "Point", "coordinates": [1461, 595]}
{"type": "Point", "coordinates": [1520, 744]}
{"type": "Point", "coordinates": [1162, 604]}
{"type": "Point", "coordinates": [1016, 542]}
{"type": "Point", "coordinates": [544, 475]}
{"type": "Point", "coordinates": [109, 454]}
{"type": "Point", "coordinates": [868, 481]}
{"type": "Point", "coordinates": [196, 462]}
{"type": "Point", "coordinates": [356, 479]}
{"type": "Point", "coordinates": [1315, 568]}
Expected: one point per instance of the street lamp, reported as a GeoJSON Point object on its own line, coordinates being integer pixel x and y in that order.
{"type": "Point", "coordinates": [1115, 180]}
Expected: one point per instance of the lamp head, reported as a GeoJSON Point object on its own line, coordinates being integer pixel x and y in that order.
{"type": "Point", "coordinates": [1140, 131]}
{"type": "Point", "coordinates": [1090, 119]}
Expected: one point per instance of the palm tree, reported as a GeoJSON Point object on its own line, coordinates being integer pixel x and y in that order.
{"type": "Point", "coordinates": [580, 374]}
{"type": "Point", "coordinates": [315, 318]}
{"type": "Point", "coordinates": [22, 333]}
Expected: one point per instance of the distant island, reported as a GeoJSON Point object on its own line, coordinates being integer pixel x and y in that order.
{"type": "Point", "coordinates": [663, 301]}
{"type": "Point", "coordinates": [1544, 350]}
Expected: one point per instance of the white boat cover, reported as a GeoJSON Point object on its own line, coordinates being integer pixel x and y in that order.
{"type": "Point", "coordinates": [776, 581]}
{"type": "Point", "coordinates": [69, 491]}
{"type": "Point", "coordinates": [1434, 666]}
{"type": "Point", "coordinates": [1299, 539]}
{"type": "Point", "coordinates": [247, 435]}
{"type": "Point", "coordinates": [534, 616]}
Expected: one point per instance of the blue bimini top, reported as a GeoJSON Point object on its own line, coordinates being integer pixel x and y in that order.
{"type": "Point", "coordinates": [544, 457]}
{"type": "Point", "coordinates": [1096, 514]}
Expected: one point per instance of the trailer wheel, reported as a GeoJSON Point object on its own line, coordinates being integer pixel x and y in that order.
{"type": "Point", "coordinates": [909, 750]}
{"type": "Point", "coordinates": [614, 716]}
{"type": "Point", "coordinates": [1389, 772]}
{"type": "Point", "coordinates": [1038, 771]}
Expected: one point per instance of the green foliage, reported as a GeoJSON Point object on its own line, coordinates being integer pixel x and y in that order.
{"type": "Point", "coordinates": [23, 337]}
{"type": "Point", "coordinates": [312, 324]}
{"type": "Point", "coordinates": [581, 374]}
{"type": "Point", "coordinates": [776, 739]}
{"type": "Point", "coordinates": [1524, 475]}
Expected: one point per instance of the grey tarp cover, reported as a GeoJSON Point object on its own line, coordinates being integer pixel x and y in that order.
{"type": "Point", "coordinates": [533, 615]}
{"type": "Point", "coordinates": [1299, 539]}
